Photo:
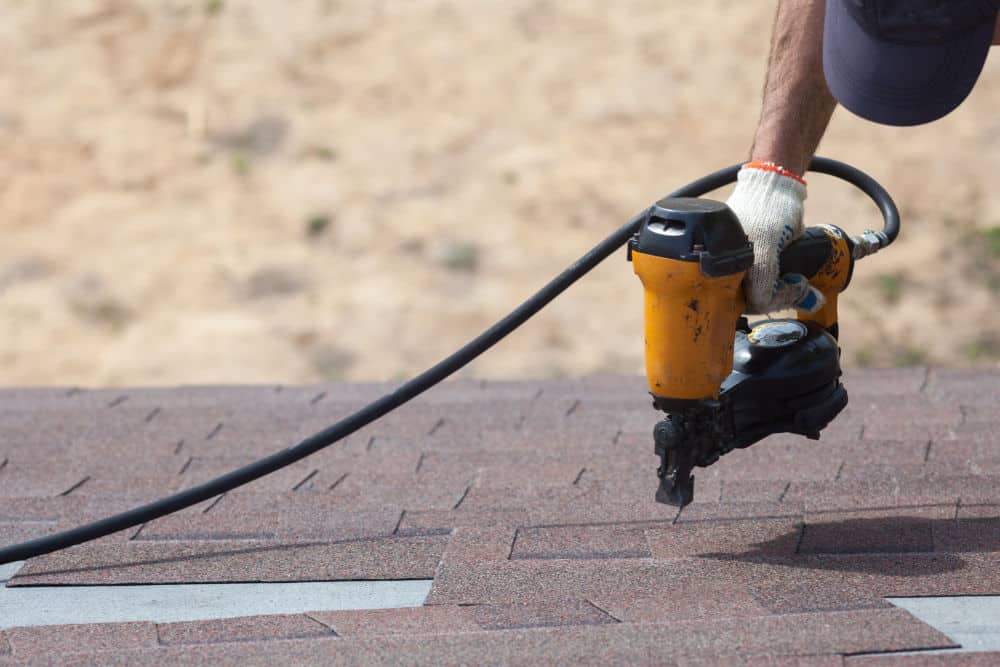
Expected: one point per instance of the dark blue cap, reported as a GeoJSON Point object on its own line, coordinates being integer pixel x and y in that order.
{"type": "Point", "coordinates": [905, 62]}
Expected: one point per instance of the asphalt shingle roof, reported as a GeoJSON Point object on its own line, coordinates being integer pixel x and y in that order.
{"type": "Point", "coordinates": [530, 504]}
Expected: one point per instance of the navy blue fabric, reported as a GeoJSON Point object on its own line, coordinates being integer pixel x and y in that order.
{"type": "Point", "coordinates": [905, 62]}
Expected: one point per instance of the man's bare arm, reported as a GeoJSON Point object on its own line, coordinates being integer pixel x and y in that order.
{"type": "Point", "coordinates": [797, 103]}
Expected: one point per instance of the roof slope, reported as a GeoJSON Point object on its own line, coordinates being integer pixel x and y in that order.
{"type": "Point", "coordinates": [530, 504]}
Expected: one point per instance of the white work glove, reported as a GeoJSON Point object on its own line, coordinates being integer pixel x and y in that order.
{"type": "Point", "coordinates": [768, 202]}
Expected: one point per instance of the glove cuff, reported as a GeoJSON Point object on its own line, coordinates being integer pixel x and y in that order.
{"type": "Point", "coordinates": [775, 168]}
{"type": "Point", "coordinates": [760, 182]}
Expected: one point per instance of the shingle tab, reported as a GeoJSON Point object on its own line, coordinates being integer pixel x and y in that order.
{"type": "Point", "coordinates": [432, 619]}
{"type": "Point", "coordinates": [765, 537]}
{"type": "Point", "coordinates": [684, 602]}
{"type": "Point", "coordinates": [538, 615]}
{"type": "Point", "coordinates": [878, 531]}
{"type": "Point", "coordinates": [247, 628]}
{"type": "Point", "coordinates": [275, 517]}
{"type": "Point", "coordinates": [237, 561]}
{"type": "Point", "coordinates": [966, 386]}
{"type": "Point", "coordinates": [780, 458]}
{"type": "Point", "coordinates": [470, 544]}
{"type": "Point", "coordinates": [37, 479]}
{"type": "Point", "coordinates": [68, 639]}
{"type": "Point", "coordinates": [543, 581]}
{"type": "Point", "coordinates": [700, 512]}
{"type": "Point", "coordinates": [910, 420]}
{"type": "Point", "coordinates": [883, 383]}
{"type": "Point", "coordinates": [973, 529]}
{"type": "Point", "coordinates": [580, 542]}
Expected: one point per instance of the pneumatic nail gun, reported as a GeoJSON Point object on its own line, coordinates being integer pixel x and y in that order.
{"type": "Point", "coordinates": [726, 383]}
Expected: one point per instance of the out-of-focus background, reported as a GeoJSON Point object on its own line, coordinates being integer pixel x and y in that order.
{"type": "Point", "coordinates": [268, 191]}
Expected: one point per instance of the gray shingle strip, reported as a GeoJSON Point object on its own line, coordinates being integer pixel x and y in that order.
{"type": "Point", "coordinates": [31, 607]}
{"type": "Point", "coordinates": [973, 622]}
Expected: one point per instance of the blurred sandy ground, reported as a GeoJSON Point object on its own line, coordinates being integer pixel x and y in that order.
{"type": "Point", "coordinates": [266, 191]}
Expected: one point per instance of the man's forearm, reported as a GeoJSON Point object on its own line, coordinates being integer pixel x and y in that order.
{"type": "Point", "coordinates": [797, 103]}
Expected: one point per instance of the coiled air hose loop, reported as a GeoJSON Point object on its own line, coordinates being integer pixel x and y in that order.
{"type": "Point", "coordinates": [425, 380]}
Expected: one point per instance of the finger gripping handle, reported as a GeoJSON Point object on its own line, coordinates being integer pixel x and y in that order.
{"type": "Point", "coordinates": [807, 254]}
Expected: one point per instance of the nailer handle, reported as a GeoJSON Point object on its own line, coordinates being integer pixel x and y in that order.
{"type": "Point", "coordinates": [807, 254]}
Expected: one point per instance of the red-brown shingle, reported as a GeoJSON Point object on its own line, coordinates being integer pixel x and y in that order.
{"type": "Point", "coordinates": [898, 498]}
{"type": "Point", "coordinates": [246, 628]}
{"type": "Point", "coordinates": [64, 639]}
{"type": "Point", "coordinates": [431, 619]}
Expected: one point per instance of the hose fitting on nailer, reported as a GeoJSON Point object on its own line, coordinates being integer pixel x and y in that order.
{"type": "Point", "coordinates": [869, 242]}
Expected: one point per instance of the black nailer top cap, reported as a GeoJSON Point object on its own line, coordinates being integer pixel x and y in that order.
{"type": "Point", "coordinates": [905, 62]}
{"type": "Point", "coordinates": [695, 230]}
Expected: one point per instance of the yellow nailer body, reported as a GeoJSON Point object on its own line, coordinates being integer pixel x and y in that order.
{"type": "Point", "coordinates": [692, 256]}
{"type": "Point", "coordinates": [690, 319]}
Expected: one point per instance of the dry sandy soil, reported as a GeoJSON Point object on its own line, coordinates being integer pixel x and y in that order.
{"type": "Point", "coordinates": [237, 191]}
